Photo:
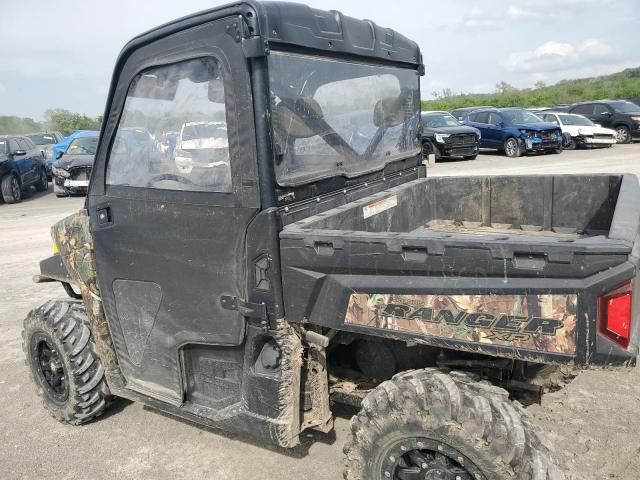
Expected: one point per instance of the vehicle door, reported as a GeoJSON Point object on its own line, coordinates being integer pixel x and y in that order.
{"type": "Point", "coordinates": [495, 130]}
{"type": "Point", "coordinates": [20, 161]}
{"type": "Point", "coordinates": [603, 115]}
{"type": "Point", "coordinates": [479, 121]}
{"type": "Point", "coordinates": [585, 110]}
{"type": "Point", "coordinates": [170, 243]}
{"type": "Point", "coordinates": [35, 157]}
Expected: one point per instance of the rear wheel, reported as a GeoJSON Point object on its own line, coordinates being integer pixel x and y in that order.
{"type": "Point", "coordinates": [511, 148]}
{"type": "Point", "coordinates": [11, 190]}
{"type": "Point", "coordinates": [43, 181]}
{"type": "Point", "coordinates": [623, 134]}
{"type": "Point", "coordinates": [427, 424]}
{"type": "Point", "coordinates": [62, 359]}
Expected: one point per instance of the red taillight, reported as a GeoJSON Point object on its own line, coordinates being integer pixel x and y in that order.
{"type": "Point", "coordinates": [614, 310]}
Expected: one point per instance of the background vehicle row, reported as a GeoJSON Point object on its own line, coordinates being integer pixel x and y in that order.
{"type": "Point", "coordinates": [21, 166]}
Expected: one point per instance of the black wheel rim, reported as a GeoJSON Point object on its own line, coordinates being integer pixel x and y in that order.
{"type": "Point", "coordinates": [49, 368]}
{"type": "Point", "coordinates": [419, 458]}
{"type": "Point", "coordinates": [15, 188]}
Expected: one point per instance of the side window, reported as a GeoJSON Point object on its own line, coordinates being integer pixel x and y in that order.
{"type": "Point", "coordinates": [24, 144]}
{"type": "Point", "coordinates": [600, 109]}
{"type": "Point", "coordinates": [482, 117]}
{"type": "Point", "coordinates": [13, 145]}
{"type": "Point", "coordinates": [494, 118]}
{"type": "Point", "coordinates": [584, 109]}
{"type": "Point", "coordinates": [173, 131]}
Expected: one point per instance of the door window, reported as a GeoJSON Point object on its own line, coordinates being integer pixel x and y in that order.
{"type": "Point", "coordinates": [494, 118]}
{"type": "Point", "coordinates": [482, 117]}
{"type": "Point", "coordinates": [22, 144]}
{"type": "Point", "coordinates": [173, 130]}
{"type": "Point", "coordinates": [583, 109]}
{"type": "Point", "coordinates": [600, 109]}
{"type": "Point", "coordinates": [13, 145]}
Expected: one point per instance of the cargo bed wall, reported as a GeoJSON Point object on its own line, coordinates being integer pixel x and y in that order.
{"type": "Point", "coordinates": [372, 267]}
{"type": "Point", "coordinates": [582, 205]}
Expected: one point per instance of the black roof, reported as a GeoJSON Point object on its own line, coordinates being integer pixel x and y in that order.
{"type": "Point", "coordinates": [296, 25]}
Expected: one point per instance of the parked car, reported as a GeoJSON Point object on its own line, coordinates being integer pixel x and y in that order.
{"type": "Point", "coordinates": [515, 131]}
{"type": "Point", "coordinates": [63, 144]}
{"type": "Point", "coordinates": [204, 147]}
{"type": "Point", "coordinates": [446, 137]}
{"type": "Point", "coordinates": [21, 166]}
{"type": "Point", "coordinates": [580, 131]}
{"type": "Point", "coordinates": [461, 113]}
{"type": "Point", "coordinates": [72, 168]}
{"type": "Point", "coordinates": [46, 141]}
{"type": "Point", "coordinates": [619, 115]}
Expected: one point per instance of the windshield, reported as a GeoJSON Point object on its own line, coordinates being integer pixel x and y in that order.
{"type": "Point", "coordinates": [625, 107]}
{"type": "Point", "coordinates": [3, 146]}
{"type": "Point", "coordinates": [576, 120]}
{"type": "Point", "coordinates": [336, 117]}
{"type": "Point", "coordinates": [42, 139]}
{"type": "Point", "coordinates": [520, 116]}
{"type": "Point", "coordinates": [83, 146]}
{"type": "Point", "coordinates": [437, 120]}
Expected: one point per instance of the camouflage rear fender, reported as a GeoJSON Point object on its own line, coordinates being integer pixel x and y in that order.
{"type": "Point", "coordinates": [72, 237]}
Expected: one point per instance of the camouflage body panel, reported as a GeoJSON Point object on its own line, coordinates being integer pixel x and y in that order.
{"type": "Point", "coordinates": [72, 238]}
{"type": "Point", "coordinates": [539, 322]}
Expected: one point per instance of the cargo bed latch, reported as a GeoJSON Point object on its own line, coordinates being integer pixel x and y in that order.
{"type": "Point", "coordinates": [247, 309]}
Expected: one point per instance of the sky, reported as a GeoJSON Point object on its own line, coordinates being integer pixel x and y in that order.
{"type": "Point", "coordinates": [60, 54]}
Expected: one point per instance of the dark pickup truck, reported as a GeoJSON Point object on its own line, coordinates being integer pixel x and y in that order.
{"type": "Point", "coordinates": [309, 257]}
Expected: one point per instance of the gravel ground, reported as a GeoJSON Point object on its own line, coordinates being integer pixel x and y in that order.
{"type": "Point", "coordinates": [593, 422]}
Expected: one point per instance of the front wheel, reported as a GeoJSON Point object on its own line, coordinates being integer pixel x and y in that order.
{"type": "Point", "coordinates": [63, 362]}
{"type": "Point", "coordinates": [568, 142]}
{"type": "Point", "coordinates": [11, 190]}
{"type": "Point", "coordinates": [427, 424]}
{"type": "Point", "coordinates": [512, 148]}
{"type": "Point", "coordinates": [623, 134]}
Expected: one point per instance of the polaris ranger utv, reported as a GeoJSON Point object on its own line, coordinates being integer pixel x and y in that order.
{"type": "Point", "coordinates": [307, 256]}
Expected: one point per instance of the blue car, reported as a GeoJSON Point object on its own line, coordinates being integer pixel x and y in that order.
{"type": "Point", "coordinates": [63, 144]}
{"type": "Point", "coordinates": [515, 131]}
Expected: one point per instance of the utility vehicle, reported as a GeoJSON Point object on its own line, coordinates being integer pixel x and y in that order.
{"type": "Point", "coordinates": [326, 264]}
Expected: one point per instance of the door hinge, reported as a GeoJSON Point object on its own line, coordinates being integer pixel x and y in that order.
{"type": "Point", "coordinates": [255, 47]}
{"type": "Point", "coordinates": [247, 309]}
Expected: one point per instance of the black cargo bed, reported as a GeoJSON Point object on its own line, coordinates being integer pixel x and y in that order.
{"type": "Point", "coordinates": [565, 236]}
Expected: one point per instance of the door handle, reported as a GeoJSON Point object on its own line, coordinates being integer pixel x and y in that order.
{"type": "Point", "coordinates": [104, 216]}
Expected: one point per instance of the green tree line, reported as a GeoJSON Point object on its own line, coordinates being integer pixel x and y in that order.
{"type": "Point", "coordinates": [625, 84]}
{"type": "Point", "coordinates": [55, 119]}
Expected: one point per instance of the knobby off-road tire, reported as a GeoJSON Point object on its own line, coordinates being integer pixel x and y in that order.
{"type": "Point", "coordinates": [62, 359]}
{"type": "Point", "coordinates": [449, 426]}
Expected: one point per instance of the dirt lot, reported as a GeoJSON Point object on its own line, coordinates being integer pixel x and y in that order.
{"type": "Point", "coordinates": [594, 422]}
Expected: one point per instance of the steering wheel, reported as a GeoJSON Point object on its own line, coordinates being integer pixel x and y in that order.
{"type": "Point", "coordinates": [169, 176]}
